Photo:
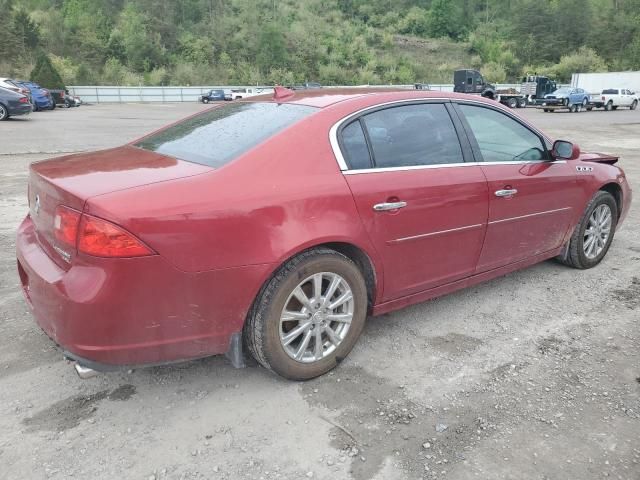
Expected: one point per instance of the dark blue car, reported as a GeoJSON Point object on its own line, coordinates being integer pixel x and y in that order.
{"type": "Point", "coordinates": [213, 96]}
{"type": "Point", "coordinates": [40, 97]}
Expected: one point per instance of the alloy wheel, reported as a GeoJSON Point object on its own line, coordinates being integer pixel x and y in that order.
{"type": "Point", "coordinates": [316, 317]}
{"type": "Point", "coordinates": [597, 232]}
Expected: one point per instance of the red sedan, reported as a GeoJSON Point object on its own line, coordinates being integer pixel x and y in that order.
{"type": "Point", "coordinates": [279, 224]}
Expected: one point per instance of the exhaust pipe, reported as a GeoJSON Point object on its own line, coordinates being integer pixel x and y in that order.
{"type": "Point", "coordinates": [84, 372]}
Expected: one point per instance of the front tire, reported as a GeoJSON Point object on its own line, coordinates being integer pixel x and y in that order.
{"type": "Point", "coordinates": [634, 105]}
{"type": "Point", "coordinates": [308, 316]}
{"type": "Point", "coordinates": [4, 114]}
{"type": "Point", "coordinates": [205, 100]}
{"type": "Point", "coordinates": [609, 106]}
{"type": "Point", "coordinates": [592, 237]}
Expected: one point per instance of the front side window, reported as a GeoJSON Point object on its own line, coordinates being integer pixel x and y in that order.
{"type": "Point", "coordinates": [501, 138]}
{"type": "Point", "coordinates": [222, 134]}
{"type": "Point", "coordinates": [412, 135]}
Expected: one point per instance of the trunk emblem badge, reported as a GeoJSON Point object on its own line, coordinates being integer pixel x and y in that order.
{"type": "Point", "coordinates": [36, 204]}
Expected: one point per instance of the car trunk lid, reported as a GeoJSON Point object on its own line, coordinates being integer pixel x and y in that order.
{"type": "Point", "coordinates": [71, 180]}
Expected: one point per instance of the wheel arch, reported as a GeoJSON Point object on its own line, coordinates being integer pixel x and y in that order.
{"type": "Point", "coordinates": [616, 191]}
{"type": "Point", "coordinates": [364, 262]}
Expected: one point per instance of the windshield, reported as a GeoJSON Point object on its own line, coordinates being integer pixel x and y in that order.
{"type": "Point", "coordinates": [221, 134]}
{"type": "Point", "coordinates": [563, 90]}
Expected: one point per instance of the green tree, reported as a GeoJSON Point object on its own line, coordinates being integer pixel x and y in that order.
{"type": "Point", "coordinates": [272, 52]}
{"type": "Point", "coordinates": [9, 43]}
{"type": "Point", "coordinates": [25, 31]}
{"type": "Point", "coordinates": [445, 19]}
{"type": "Point", "coordinates": [45, 73]}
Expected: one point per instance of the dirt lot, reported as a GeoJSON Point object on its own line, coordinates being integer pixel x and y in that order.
{"type": "Point", "coordinates": [532, 376]}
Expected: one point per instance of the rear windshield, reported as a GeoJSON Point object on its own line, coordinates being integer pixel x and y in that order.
{"type": "Point", "coordinates": [611, 91]}
{"type": "Point", "coordinates": [217, 136]}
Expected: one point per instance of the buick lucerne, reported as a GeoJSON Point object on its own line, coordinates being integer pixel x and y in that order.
{"type": "Point", "coordinates": [276, 224]}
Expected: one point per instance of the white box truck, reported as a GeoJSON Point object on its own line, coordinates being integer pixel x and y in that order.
{"type": "Point", "coordinates": [597, 82]}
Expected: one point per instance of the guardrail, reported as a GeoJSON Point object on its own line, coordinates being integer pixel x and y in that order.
{"type": "Point", "coordinates": [117, 94]}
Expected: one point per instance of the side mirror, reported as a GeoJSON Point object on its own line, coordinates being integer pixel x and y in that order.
{"type": "Point", "coordinates": [565, 150]}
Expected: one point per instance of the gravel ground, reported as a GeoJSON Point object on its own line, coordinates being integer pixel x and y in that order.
{"type": "Point", "coordinates": [535, 375]}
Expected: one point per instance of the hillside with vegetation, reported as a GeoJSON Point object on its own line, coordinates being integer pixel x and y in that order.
{"type": "Point", "coordinates": [200, 42]}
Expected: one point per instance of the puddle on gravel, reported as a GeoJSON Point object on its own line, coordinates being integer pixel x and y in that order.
{"type": "Point", "coordinates": [629, 296]}
{"type": "Point", "coordinates": [455, 343]}
{"type": "Point", "coordinates": [68, 413]}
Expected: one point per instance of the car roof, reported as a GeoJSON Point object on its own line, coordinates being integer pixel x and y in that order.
{"type": "Point", "coordinates": [325, 97]}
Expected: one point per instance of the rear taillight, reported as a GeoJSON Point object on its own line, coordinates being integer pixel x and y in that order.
{"type": "Point", "coordinates": [23, 100]}
{"type": "Point", "coordinates": [94, 236]}
{"type": "Point", "coordinates": [104, 239]}
{"type": "Point", "coordinates": [65, 225]}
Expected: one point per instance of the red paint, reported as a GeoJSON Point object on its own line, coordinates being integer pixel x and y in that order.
{"type": "Point", "coordinates": [218, 235]}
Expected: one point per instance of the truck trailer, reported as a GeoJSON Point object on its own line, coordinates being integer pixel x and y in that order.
{"type": "Point", "coordinates": [595, 83]}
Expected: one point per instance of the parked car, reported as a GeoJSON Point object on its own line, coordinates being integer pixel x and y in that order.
{"type": "Point", "coordinates": [612, 98]}
{"type": "Point", "coordinates": [40, 97]}
{"type": "Point", "coordinates": [13, 104]}
{"type": "Point", "coordinates": [566, 97]}
{"type": "Point", "coordinates": [10, 84]}
{"type": "Point", "coordinates": [212, 96]}
{"type": "Point", "coordinates": [314, 209]}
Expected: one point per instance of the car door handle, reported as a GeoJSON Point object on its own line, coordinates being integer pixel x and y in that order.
{"type": "Point", "coordinates": [506, 193]}
{"type": "Point", "coordinates": [383, 207]}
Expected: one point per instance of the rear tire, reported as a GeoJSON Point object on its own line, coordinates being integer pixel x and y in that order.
{"type": "Point", "coordinates": [512, 103]}
{"type": "Point", "coordinates": [573, 108]}
{"type": "Point", "coordinates": [205, 100]}
{"type": "Point", "coordinates": [4, 114]}
{"type": "Point", "coordinates": [266, 331]}
{"type": "Point", "coordinates": [576, 255]}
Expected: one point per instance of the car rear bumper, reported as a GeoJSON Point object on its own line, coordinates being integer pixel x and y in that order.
{"type": "Point", "coordinates": [20, 109]}
{"type": "Point", "coordinates": [133, 311]}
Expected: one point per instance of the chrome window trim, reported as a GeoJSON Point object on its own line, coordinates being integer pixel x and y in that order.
{"type": "Point", "coordinates": [337, 152]}
{"type": "Point", "coordinates": [446, 165]}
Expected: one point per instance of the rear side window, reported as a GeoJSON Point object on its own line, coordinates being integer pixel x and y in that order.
{"type": "Point", "coordinates": [610, 91]}
{"type": "Point", "coordinates": [412, 135]}
{"type": "Point", "coordinates": [217, 136]}
{"type": "Point", "coordinates": [355, 147]}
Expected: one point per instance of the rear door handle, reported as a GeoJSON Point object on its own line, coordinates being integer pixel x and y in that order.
{"type": "Point", "coordinates": [506, 193]}
{"type": "Point", "coordinates": [383, 207]}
